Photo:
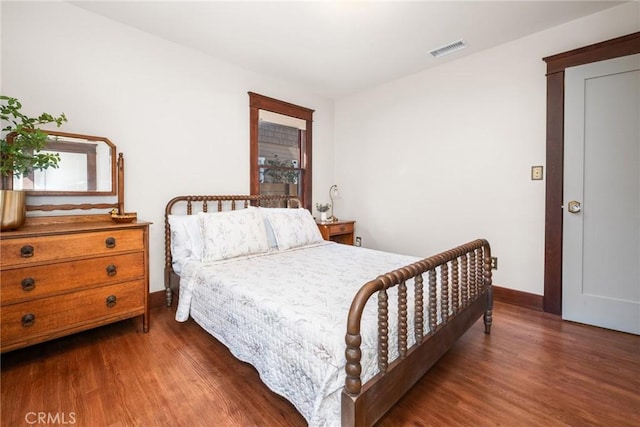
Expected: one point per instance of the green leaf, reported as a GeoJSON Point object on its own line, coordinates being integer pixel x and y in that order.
{"type": "Point", "coordinates": [22, 139]}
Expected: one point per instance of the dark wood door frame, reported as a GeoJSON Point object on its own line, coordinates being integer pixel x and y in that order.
{"type": "Point", "coordinates": [556, 65]}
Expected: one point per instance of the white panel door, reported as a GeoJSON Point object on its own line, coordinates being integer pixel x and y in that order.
{"type": "Point", "coordinates": [601, 220]}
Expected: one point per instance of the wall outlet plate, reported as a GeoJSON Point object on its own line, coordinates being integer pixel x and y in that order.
{"type": "Point", "coordinates": [536, 173]}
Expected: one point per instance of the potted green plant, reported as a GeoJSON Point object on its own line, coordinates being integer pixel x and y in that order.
{"type": "Point", "coordinates": [20, 153]}
{"type": "Point", "coordinates": [279, 177]}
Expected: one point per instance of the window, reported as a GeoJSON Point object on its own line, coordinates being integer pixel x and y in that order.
{"type": "Point", "coordinates": [280, 151]}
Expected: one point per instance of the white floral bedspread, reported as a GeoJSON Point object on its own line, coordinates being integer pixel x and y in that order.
{"type": "Point", "coordinates": [285, 313]}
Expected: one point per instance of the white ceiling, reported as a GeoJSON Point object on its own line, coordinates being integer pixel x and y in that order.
{"type": "Point", "coordinates": [335, 48]}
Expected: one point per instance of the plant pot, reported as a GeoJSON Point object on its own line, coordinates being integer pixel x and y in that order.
{"type": "Point", "coordinates": [13, 209]}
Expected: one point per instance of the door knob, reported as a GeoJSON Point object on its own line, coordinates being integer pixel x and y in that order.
{"type": "Point", "coordinates": [574, 207]}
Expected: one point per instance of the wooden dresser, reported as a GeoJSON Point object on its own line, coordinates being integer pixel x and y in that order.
{"type": "Point", "coordinates": [61, 275]}
{"type": "Point", "coordinates": [337, 231]}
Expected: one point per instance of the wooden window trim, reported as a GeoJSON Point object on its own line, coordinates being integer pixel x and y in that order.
{"type": "Point", "coordinates": [259, 102]}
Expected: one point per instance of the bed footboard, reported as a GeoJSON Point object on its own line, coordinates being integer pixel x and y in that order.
{"type": "Point", "coordinates": [456, 294]}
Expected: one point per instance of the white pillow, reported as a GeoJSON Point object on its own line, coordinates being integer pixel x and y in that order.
{"type": "Point", "coordinates": [292, 227]}
{"type": "Point", "coordinates": [186, 239]}
{"type": "Point", "coordinates": [232, 233]}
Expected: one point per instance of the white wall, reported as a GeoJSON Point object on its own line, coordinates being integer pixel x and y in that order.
{"type": "Point", "coordinates": [433, 160]}
{"type": "Point", "coordinates": [423, 163]}
{"type": "Point", "coordinates": [175, 113]}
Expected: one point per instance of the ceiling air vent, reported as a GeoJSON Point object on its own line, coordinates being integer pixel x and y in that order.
{"type": "Point", "coordinates": [450, 48]}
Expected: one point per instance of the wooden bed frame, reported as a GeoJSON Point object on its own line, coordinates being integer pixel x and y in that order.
{"type": "Point", "coordinates": [462, 276]}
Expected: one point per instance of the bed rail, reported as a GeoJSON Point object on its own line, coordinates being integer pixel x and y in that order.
{"type": "Point", "coordinates": [190, 205]}
{"type": "Point", "coordinates": [462, 278]}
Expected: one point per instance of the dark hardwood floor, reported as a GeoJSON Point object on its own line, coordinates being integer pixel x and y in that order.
{"type": "Point", "coordinates": [534, 370]}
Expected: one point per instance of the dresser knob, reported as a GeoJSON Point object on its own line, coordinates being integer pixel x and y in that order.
{"type": "Point", "coordinates": [28, 284]}
{"type": "Point", "coordinates": [111, 301]}
{"type": "Point", "coordinates": [28, 320]}
{"type": "Point", "coordinates": [26, 251]}
{"type": "Point", "coordinates": [343, 228]}
{"type": "Point", "coordinates": [110, 242]}
{"type": "Point", "coordinates": [111, 270]}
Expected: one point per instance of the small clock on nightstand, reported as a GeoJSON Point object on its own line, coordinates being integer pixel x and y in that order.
{"type": "Point", "coordinates": [337, 231]}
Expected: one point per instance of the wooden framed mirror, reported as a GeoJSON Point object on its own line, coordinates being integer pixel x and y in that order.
{"type": "Point", "coordinates": [87, 167]}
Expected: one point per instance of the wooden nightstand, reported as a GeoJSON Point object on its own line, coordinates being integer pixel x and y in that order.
{"type": "Point", "coordinates": [338, 231]}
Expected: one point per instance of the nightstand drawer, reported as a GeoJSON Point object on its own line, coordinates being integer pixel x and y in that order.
{"type": "Point", "coordinates": [335, 229]}
{"type": "Point", "coordinates": [340, 231]}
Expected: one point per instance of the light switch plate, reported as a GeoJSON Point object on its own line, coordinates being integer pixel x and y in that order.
{"type": "Point", "coordinates": [536, 173]}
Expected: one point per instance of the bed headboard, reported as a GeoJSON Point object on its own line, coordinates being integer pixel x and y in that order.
{"type": "Point", "coordinates": [189, 205]}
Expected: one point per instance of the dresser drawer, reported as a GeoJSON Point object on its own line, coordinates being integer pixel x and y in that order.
{"type": "Point", "coordinates": [27, 250]}
{"type": "Point", "coordinates": [46, 318]}
{"type": "Point", "coordinates": [334, 229]}
{"type": "Point", "coordinates": [40, 281]}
